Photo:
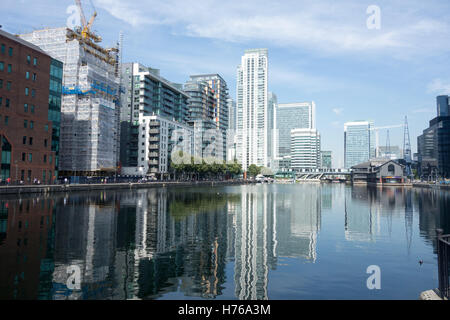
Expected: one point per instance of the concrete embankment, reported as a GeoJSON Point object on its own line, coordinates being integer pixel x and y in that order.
{"type": "Point", "coordinates": [109, 186]}
{"type": "Point", "coordinates": [431, 186]}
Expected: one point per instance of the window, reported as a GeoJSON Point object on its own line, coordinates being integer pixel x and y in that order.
{"type": "Point", "coordinates": [31, 141]}
{"type": "Point", "coordinates": [30, 157]}
{"type": "Point", "coordinates": [23, 156]}
{"type": "Point", "coordinates": [2, 66]}
{"type": "Point", "coordinates": [34, 76]}
{"type": "Point", "coordinates": [6, 120]}
{"type": "Point", "coordinates": [31, 124]}
{"type": "Point", "coordinates": [25, 123]}
{"type": "Point", "coordinates": [7, 102]}
{"type": "Point", "coordinates": [3, 48]}
{"type": "Point", "coordinates": [25, 107]}
{"type": "Point", "coordinates": [391, 169]}
{"type": "Point", "coordinates": [46, 128]}
{"type": "Point", "coordinates": [24, 140]}
{"type": "Point", "coordinates": [45, 158]}
{"type": "Point", "coordinates": [1, 101]}
{"type": "Point", "coordinates": [10, 51]}
{"type": "Point", "coordinates": [9, 68]}
{"type": "Point", "coordinates": [32, 109]}
{"type": "Point", "coordinates": [27, 75]}
{"type": "Point", "coordinates": [27, 91]}
{"type": "Point", "coordinates": [1, 83]}
{"type": "Point", "coordinates": [50, 160]}
{"type": "Point", "coordinates": [8, 85]}
{"type": "Point", "coordinates": [33, 93]}
{"type": "Point", "coordinates": [28, 59]}
{"type": "Point", "coordinates": [45, 143]}
{"type": "Point", "coordinates": [35, 61]}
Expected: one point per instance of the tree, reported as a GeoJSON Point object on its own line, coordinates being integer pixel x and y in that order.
{"type": "Point", "coordinates": [254, 170]}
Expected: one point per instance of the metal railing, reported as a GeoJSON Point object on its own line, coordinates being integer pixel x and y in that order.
{"type": "Point", "coordinates": [443, 249]}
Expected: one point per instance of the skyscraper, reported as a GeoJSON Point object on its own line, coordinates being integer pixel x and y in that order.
{"type": "Point", "coordinates": [271, 107]}
{"type": "Point", "coordinates": [219, 92]}
{"type": "Point", "coordinates": [208, 138]}
{"type": "Point", "coordinates": [433, 145]}
{"type": "Point", "coordinates": [305, 149]}
{"type": "Point", "coordinates": [148, 94]}
{"type": "Point", "coordinates": [290, 116]}
{"type": "Point", "coordinates": [358, 142]}
{"type": "Point", "coordinates": [252, 109]}
{"type": "Point", "coordinates": [231, 132]}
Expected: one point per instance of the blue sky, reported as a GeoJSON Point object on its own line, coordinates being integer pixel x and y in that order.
{"type": "Point", "coordinates": [318, 50]}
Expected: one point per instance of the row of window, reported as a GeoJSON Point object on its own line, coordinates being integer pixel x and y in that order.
{"type": "Point", "coordinates": [30, 141]}
{"type": "Point", "coordinates": [2, 67]}
{"type": "Point", "coordinates": [3, 50]}
{"type": "Point", "coordinates": [7, 102]}
{"type": "Point", "coordinates": [30, 158]}
{"type": "Point", "coordinates": [26, 124]}
{"type": "Point", "coordinates": [8, 85]}
{"type": "Point", "coordinates": [26, 107]}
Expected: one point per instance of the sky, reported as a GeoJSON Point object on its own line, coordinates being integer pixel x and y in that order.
{"type": "Point", "coordinates": [353, 63]}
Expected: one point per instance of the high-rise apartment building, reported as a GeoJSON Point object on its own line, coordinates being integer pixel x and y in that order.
{"type": "Point", "coordinates": [147, 94]}
{"type": "Point", "coordinates": [208, 138]}
{"type": "Point", "coordinates": [218, 90]}
{"type": "Point", "coordinates": [272, 103]}
{"type": "Point", "coordinates": [290, 116]}
{"type": "Point", "coordinates": [358, 142]}
{"type": "Point", "coordinates": [433, 145]}
{"type": "Point", "coordinates": [305, 149]}
{"type": "Point", "coordinates": [231, 132]}
{"type": "Point", "coordinates": [252, 109]}
{"type": "Point", "coordinates": [30, 102]}
{"type": "Point", "coordinates": [90, 107]}
{"type": "Point", "coordinates": [326, 159]}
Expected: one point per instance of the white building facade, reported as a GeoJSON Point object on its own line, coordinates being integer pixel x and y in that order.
{"type": "Point", "coordinates": [305, 149]}
{"type": "Point", "coordinates": [252, 109]}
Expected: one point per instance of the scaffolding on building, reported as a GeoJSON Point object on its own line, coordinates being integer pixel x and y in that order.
{"type": "Point", "coordinates": [90, 105]}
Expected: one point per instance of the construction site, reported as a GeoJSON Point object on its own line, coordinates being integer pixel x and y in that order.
{"type": "Point", "coordinates": [90, 107]}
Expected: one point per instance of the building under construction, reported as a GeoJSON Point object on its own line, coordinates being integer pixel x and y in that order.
{"type": "Point", "coordinates": [90, 103]}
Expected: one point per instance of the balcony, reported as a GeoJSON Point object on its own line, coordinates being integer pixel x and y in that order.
{"type": "Point", "coordinates": [153, 147]}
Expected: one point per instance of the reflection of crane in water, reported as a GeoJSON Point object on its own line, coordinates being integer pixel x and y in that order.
{"type": "Point", "coordinates": [408, 219]}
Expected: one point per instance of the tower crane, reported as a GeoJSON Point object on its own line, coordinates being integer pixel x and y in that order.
{"type": "Point", "coordinates": [377, 129]}
{"type": "Point", "coordinates": [86, 32]}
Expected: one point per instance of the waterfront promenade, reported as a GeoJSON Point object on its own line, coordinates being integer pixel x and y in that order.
{"type": "Point", "coordinates": [44, 189]}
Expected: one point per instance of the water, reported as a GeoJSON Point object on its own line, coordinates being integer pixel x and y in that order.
{"type": "Point", "coordinates": [304, 241]}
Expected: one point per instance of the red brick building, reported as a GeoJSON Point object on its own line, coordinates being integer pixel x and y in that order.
{"type": "Point", "coordinates": [25, 128]}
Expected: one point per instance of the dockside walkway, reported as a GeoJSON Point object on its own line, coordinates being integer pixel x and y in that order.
{"type": "Point", "coordinates": [43, 189]}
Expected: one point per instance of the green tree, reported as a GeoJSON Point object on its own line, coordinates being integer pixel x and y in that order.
{"type": "Point", "coordinates": [254, 170]}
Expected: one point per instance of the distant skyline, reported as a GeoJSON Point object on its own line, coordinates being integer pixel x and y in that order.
{"type": "Point", "coordinates": [319, 51]}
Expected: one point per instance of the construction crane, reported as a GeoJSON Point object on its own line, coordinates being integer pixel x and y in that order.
{"type": "Point", "coordinates": [86, 32]}
{"type": "Point", "coordinates": [376, 129]}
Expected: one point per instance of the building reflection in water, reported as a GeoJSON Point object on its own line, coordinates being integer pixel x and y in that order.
{"type": "Point", "coordinates": [148, 244]}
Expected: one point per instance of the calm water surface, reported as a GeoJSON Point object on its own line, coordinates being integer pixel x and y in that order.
{"type": "Point", "coordinates": [303, 241]}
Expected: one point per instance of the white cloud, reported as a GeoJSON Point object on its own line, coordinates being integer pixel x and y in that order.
{"type": "Point", "coordinates": [438, 86]}
{"type": "Point", "coordinates": [423, 110]}
{"type": "Point", "coordinates": [338, 111]}
{"type": "Point", "coordinates": [327, 26]}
